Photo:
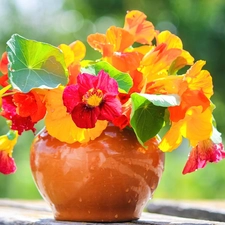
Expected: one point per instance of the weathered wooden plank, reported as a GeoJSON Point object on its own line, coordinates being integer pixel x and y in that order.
{"type": "Point", "coordinates": [205, 210]}
{"type": "Point", "coordinates": [38, 213]}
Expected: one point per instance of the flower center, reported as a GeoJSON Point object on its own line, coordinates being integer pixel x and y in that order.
{"type": "Point", "coordinates": [93, 97]}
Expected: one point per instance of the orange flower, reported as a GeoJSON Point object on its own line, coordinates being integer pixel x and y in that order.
{"type": "Point", "coordinates": [142, 30]}
{"type": "Point", "coordinates": [4, 63]}
{"type": "Point", "coordinates": [4, 69]}
{"type": "Point", "coordinates": [167, 55]}
{"type": "Point", "coordinates": [166, 85]}
{"type": "Point", "coordinates": [114, 47]}
{"type": "Point", "coordinates": [174, 42]}
{"type": "Point", "coordinates": [195, 90]}
{"type": "Point", "coordinates": [156, 62]}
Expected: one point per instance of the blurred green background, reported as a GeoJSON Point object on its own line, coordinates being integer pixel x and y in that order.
{"type": "Point", "coordinates": [199, 23]}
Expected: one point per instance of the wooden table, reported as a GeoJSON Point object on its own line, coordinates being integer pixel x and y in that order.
{"type": "Point", "coordinates": [158, 212]}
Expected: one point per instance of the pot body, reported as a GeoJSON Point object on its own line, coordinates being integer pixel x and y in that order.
{"type": "Point", "coordinates": [109, 179]}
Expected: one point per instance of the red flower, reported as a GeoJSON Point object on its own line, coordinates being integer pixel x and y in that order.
{"type": "Point", "coordinates": [30, 104]}
{"type": "Point", "coordinates": [7, 163]}
{"type": "Point", "coordinates": [205, 151]}
{"type": "Point", "coordinates": [92, 98]}
{"type": "Point", "coordinates": [18, 123]}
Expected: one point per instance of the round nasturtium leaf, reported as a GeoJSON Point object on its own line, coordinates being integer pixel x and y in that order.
{"type": "Point", "coordinates": [34, 64]}
{"type": "Point", "coordinates": [146, 118]}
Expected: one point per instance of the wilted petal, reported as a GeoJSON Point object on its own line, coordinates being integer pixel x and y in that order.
{"type": "Point", "coordinates": [206, 151]}
{"type": "Point", "coordinates": [7, 163]}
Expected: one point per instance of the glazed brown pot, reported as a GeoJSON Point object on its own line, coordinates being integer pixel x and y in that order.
{"type": "Point", "coordinates": [106, 180]}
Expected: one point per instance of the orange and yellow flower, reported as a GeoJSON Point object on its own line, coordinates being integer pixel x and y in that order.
{"type": "Point", "coordinates": [136, 83]}
{"type": "Point", "coordinates": [73, 54]}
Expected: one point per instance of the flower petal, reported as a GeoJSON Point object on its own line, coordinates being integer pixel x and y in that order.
{"type": "Point", "coordinates": [7, 163]}
{"type": "Point", "coordinates": [200, 79]}
{"type": "Point", "coordinates": [85, 117]}
{"type": "Point", "coordinates": [19, 123]}
{"type": "Point", "coordinates": [136, 24]}
{"type": "Point", "coordinates": [100, 43]}
{"type": "Point", "coordinates": [30, 104]}
{"type": "Point", "coordinates": [126, 61]}
{"type": "Point", "coordinates": [119, 38]}
{"type": "Point", "coordinates": [106, 84]}
{"type": "Point", "coordinates": [172, 138]}
{"type": "Point", "coordinates": [73, 52]}
{"type": "Point", "coordinates": [110, 109]}
{"type": "Point", "coordinates": [188, 99]}
{"type": "Point", "coordinates": [71, 97]}
{"type": "Point", "coordinates": [205, 151]}
{"type": "Point", "coordinates": [4, 63]}
{"type": "Point", "coordinates": [86, 82]}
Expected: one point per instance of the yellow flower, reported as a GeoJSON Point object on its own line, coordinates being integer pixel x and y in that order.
{"type": "Point", "coordinates": [74, 52]}
{"type": "Point", "coordinates": [196, 126]}
{"type": "Point", "coordinates": [167, 55]}
{"type": "Point", "coordinates": [2, 91]}
{"type": "Point", "coordinates": [199, 79]}
{"type": "Point", "coordinates": [7, 143]}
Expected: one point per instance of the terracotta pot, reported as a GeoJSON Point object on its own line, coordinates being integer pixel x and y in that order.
{"type": "Point", "coordinates": [108, 179]}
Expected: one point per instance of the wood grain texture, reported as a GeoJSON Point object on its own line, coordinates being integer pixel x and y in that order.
{"type": "Point", "coordinates": [19, 212]}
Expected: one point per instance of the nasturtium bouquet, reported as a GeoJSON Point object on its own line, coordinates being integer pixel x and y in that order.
{"type": "Point", "coordinates": [135, 84]}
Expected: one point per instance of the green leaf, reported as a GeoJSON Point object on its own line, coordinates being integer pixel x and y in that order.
{"type": "Point", "coordinates": [35, 64]}
{"type": "Point", "coordinates": [124, 80]}
{"type": "Point", "coordinates": [163, 100]}
{"type": "Point", "coordinates": [146, 118]}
